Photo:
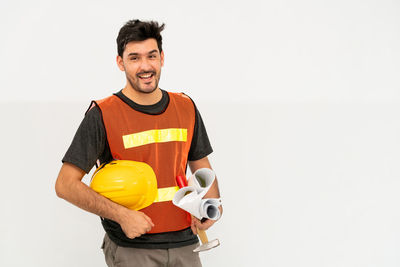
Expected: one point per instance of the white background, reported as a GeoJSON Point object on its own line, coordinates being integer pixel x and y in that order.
{"type": "Point", "coordinates": [300, 99]}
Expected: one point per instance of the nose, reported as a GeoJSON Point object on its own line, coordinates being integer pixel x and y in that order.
{"type": "Point", "coordinates": [145, 65]}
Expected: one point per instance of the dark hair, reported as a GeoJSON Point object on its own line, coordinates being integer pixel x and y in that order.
{"type": "Point", "coordinates": [136, 30]}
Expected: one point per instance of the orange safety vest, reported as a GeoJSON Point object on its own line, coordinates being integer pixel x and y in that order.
{"type": "Point", "coordinates": [162, 141]}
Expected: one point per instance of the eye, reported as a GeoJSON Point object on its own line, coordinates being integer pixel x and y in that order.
{"type": "Point", "coordinates": [134, 58]}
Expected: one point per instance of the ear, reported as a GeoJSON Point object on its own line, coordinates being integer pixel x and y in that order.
{"type": "Point", "coordinates": [120, 63]}
{"type": "Point", "coordinates": [162, 58]}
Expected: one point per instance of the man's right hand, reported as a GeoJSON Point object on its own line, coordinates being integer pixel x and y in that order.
{"type": "Point", "coordinates": [135, 223]}
{"type": "Point", "coordinates": [70, 187]}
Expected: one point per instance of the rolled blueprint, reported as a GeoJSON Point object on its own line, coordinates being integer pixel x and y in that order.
{"type": "Point", "coordinates": [209, 208]}
{"type": "Point", "coordinates": [190, 198]}
{"type": "Point", "coordinates": [202, 179]}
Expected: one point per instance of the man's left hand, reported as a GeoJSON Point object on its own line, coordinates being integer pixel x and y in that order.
{"type": "Point", "coordinates": [202, 224]}
{"type": "Point", "coordinates": [197, 224]}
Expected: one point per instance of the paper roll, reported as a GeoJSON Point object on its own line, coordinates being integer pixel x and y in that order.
{"type": "Point", "coordinates": [209, 208]}
{"type": "Point", "coordinates": [202, 179]}
{"type": "Point", "coordinates": [188, 199]}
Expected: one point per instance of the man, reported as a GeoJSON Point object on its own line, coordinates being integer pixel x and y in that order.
{"type": "Point", "coordinates": [161, 234]}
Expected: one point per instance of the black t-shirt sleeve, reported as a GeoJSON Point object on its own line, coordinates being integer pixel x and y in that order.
{"type": "Point", "coordinates": [200, 146]}
{"type": "Point", "coordinates": [89, 142]}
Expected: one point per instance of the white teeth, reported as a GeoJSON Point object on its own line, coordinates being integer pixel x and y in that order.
{"type": "Point", "coordinates": [146, 76]}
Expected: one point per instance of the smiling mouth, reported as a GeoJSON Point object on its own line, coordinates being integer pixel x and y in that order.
{"type": "Point", "coordinates": [146, 76]}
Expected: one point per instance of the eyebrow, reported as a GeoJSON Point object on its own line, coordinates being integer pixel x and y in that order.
{"type": "Point", "coordinates": [136, 54]}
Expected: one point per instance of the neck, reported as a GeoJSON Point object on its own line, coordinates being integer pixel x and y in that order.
{"type": "Point", "coordinates": [142, 98]}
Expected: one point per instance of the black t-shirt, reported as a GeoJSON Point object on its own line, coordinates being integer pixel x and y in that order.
{"type": "Point", "coordinates": [90, 144]}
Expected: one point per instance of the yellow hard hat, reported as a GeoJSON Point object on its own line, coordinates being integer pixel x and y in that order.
{"type": "Point", "coordinates": [129, 183]}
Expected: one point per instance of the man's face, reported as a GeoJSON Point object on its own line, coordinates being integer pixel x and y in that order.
{"type": "Point", "coordinates": [142, 62]}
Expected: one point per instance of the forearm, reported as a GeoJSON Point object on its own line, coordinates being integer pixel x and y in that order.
{"type": "Point", "coordinates": [85, 198]}
{"type": "Point", "coordinates": [213, 192]}
{"type": "Point", "coordinates": [76, 192]}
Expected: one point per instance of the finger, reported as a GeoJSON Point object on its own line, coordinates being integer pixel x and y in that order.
{"type": "Point", "coordinates": [145, 226]}
{"type": "Point", "coordinates": [133, 235]}
{"type": "Point", "coordinates": [198, 223]}
{"type": "Point", "coordinates": [201, 227]}
{"type": "Point", "coordinates": [194, 230]}
{"type": "Point", "coordinates": [147, 229]}
{"type": "Point", "coordinates": [206, 224]}
{"type": "Point", "coordinates": [148, 219]}
{"type": "Point", "coordinates": [195, 221]}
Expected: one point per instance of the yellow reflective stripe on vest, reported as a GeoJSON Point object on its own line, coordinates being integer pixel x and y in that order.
{"type": "Point", "coordinates": [166, 194]}
{"type": "Point", "coordinates": [154, 136]}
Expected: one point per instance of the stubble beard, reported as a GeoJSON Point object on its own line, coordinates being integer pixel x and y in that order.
{"type": "Point", "coordinates": [136, 86]}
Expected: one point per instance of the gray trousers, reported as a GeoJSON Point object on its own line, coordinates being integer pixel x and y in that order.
{"type": "Point", "coordinates": [117, 256]}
